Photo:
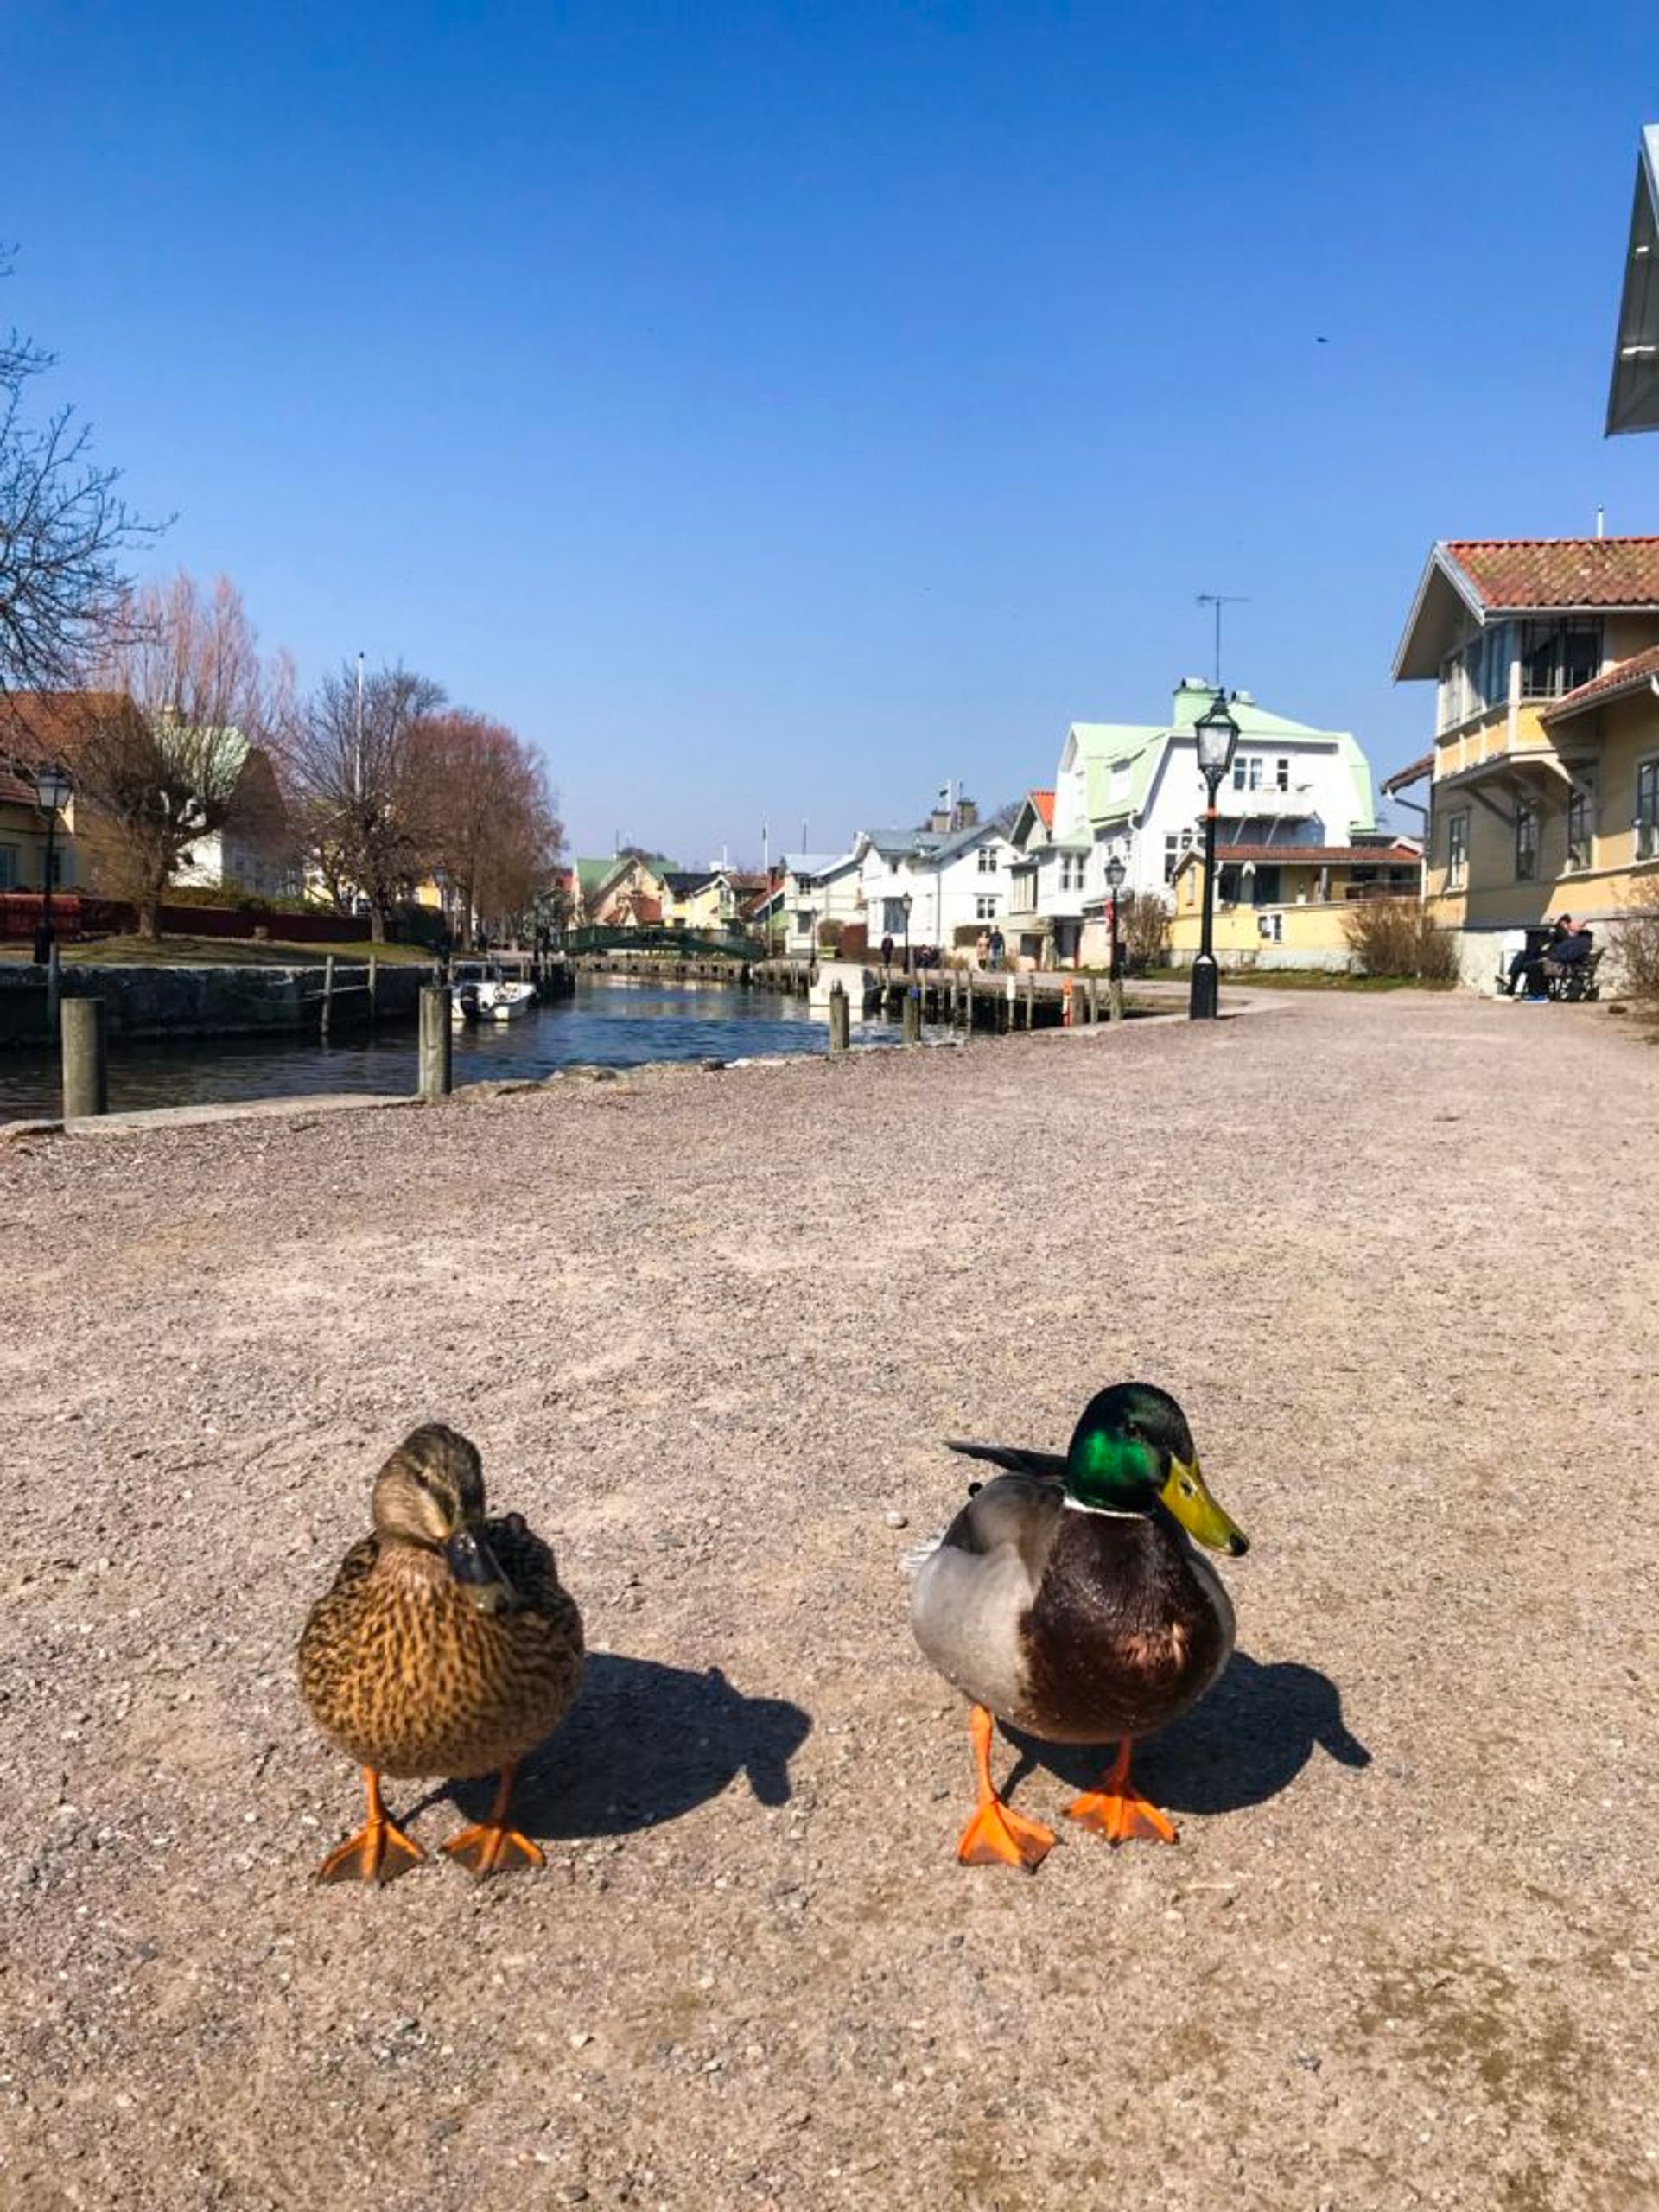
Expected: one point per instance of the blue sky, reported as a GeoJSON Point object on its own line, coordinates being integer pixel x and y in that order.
{"type": "Point", "coordinates": [773, 410]}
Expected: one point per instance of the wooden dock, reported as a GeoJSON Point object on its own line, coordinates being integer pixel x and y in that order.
{"type": "Point", "coordinates": [955, 998]}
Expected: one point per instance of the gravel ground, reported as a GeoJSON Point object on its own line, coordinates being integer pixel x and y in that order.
{"type": "Point", "coordinates": [1396, 1256]}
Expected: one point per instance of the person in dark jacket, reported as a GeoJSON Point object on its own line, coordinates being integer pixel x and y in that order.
{"type": "Point", "coordinates": [1568, 951]}
{"type": "Point", "coordinates": [1528, 958]}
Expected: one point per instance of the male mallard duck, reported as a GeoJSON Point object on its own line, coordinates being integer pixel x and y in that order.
{"type": "Point", "coordinates": [446, 1646]}
{"type": "Point", "coordinates": [1064, 1599]}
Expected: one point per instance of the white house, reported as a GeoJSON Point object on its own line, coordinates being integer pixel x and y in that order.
{"type": "Point", "coordinates": [1134, 789]}
{"type": "Point", "coordinates": [958, 882]}
{"type": "Point", "coordinates": [817, 888]}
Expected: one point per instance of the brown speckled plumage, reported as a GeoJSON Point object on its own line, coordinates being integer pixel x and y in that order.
{"type": "Point", "coordinates": [403, 1667]}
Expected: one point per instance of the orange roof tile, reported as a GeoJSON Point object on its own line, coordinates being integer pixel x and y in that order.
{"type": "Point", "coordinates": [1043, 802]}
{"type": "Point", "coordinates": [1559, 572]}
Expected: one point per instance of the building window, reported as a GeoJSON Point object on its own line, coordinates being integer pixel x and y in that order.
{"type": "Point", "coordinates": [1581, 819]}
{"type": "Point", "coordinates": [1071, 871]}
{"type": "Point", "coordinates": [803, 920]}
{"type": "Point", "coordinates": [893, 916]}
{"type": "Point", "coordinates": [1457, 851]}
{"type": "Point", "coordinates": [1557, 656]}
{"type": "Point", "coordinates": [9, 856]}
{"type": "Point", "coordinates": [985, 906]}
{"type": "Point", "coordinates": [1526, 842]}
{"type": "Point", "coordinates": [1282, 773]}
{"type": "Point", "coordinates": [1171, 858]}
{"type": "Point", "coordinates": [987, 860]}
{"type": "Point", "coordinates": [1247, 771]}
{"type": "Point", "coordinates": [1647, 809]}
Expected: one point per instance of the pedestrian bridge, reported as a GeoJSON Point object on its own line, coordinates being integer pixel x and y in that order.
{"type": "Point", "coordinates": [674, 944]}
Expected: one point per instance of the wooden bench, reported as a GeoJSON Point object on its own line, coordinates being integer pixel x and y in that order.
{"type": "Point", "coordinates": [1574, 979]}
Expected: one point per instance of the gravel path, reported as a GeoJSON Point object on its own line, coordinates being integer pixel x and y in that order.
{"type": "Point", "coordinates": [1397, 1258]}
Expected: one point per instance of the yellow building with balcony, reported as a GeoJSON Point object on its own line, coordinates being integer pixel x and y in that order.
{"type": "Point", "coordinates": [1544, 776]}
{"type": "Point", "coordinates": [1285, 906]}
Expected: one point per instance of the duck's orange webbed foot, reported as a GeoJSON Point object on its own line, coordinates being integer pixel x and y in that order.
{"type": "Point", "coordinates": [379, 1851]}
{"type": "Point", "coordinates": [488, 1846]}
{"type": "Point", "coordinates": [997, 1835]}
{"type": "Point", "coordinates": [1118, 1811]}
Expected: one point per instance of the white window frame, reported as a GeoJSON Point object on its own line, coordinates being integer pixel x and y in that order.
{"type": "Point", "coordinates": [1644, 839]}
{"type": "Point", "coordinates": [1527, 813]}
{"type": "Point", "coordinates": [985, 906]}
{"type": "Point", "coordinates": [1247, 771]}
{"type": "Point", "coordinates": [1582, 801]}
{"type": "Point", "coordinates": [987, 860]}
{"type": "Point", "coordinates": [1457, 849]}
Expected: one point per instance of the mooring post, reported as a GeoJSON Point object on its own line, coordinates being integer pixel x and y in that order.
{"type": "Point", "coordinates": [912, 1016]}
{"type": "Point", "coordinates": [374, 982]}
{"type": "Point", "coordinates": [54, 988]}
{"type": "Point", "coordinates": [1094, 1000]}
{"type": "Point", "coordinates": [1031, 1002]}
{"type": "Point", "coordinates": [1114, 998]}
{"type": "Point", "coordinates": [437, 1078]}
{"type": "Point", "coordinates": [840, 1017]}
{"type": "Point", "coordinates": [327, 995]}
{"type": "Point", "coordinates": [85, 1059]}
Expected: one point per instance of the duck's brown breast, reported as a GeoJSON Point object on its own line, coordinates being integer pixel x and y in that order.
{"type": "Point", "coordinates": [1123, 1637]}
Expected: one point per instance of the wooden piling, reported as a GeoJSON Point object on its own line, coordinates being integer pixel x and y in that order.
{"type": "Point", "coordinates": [1114, 998]}
{"type": "Point", "coordinates": [912, 1016]}
{"type": "Point", "coordinates": [85, 1059]}
{"type": "Point", "coordinates": [374, 983]}
{"type": "Point", "coordinates": [841, 1016]}
{"type": "Point", "coordinates": [1031, 1003]}
{"type": "Point", "coordinates": [328, 996]}
{"type": "Point", "coordinates": [437, 1075]}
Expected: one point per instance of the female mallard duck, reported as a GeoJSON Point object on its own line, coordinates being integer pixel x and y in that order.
{"type": "Point", "coordinates": [446, 1646]}
{"type": "Point", "coordinates": [1064, 1599]}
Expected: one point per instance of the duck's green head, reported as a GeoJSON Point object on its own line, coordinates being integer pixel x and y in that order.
{"type": "Point", "coordinates": [1133, 1451]}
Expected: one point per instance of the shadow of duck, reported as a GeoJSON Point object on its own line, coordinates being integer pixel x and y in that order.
{"type": "Point", "coordinates": [643, 1743]}
{"type": "Point", "coordinates": [1242, 1743]}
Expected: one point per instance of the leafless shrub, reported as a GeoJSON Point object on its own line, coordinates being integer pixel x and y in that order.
{"type": "Point", "coordinates": [1638, 945]}
{"type": "Point", "coordinates": [1396, 937]}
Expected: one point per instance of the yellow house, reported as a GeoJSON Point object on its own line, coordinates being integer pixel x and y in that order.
{"type": "Point", "coordinates": [1542, 795]}
{"type": "Point", "coordinates": [1284, 906]}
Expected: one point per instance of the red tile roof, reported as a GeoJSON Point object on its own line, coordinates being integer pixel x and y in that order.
{"type": "Point", "coordinates": [1559, 572]}
{"type": "Point", "coordinates": [1043, 802]}
{"type": "Point", "coordinates": [1413, 772]}
{"type": "Point", "coordinates": [14, 792]}
{"type": "Point", "coordinates": [1630, 675]}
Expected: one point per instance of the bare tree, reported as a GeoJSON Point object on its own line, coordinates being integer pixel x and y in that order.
{"type": "Point", "coordinates": [352, 759]}
{"type": "Point", "coordinates": [160, 747]}
{"type": "Point", "coordinates": [493, 827]}
{"type": "Point", "coordinates": [62, 532]}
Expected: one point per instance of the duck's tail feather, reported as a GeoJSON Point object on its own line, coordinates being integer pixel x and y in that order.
{"type": "Point", "coordinates": [1048, 1467]}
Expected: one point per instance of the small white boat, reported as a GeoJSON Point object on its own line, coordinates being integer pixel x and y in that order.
{"type": "Point", "coordinates": [479, 992]}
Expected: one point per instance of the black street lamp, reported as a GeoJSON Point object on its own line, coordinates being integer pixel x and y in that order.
{"type": "Point", "coordinates": [1116, 872]}
{"type": "Point", "coordinates": [52, 789]}
{"type": "Point", "coordinates": [1217, 734]}
{"type": "Point", "coordinates": [906, 904]}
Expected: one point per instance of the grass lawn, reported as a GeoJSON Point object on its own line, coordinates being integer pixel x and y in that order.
{"type": "Point", "coordinates": [218, 952]}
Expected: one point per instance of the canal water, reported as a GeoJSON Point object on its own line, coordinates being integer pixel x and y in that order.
{"type": "Point", "coordinates": [608, 1023]}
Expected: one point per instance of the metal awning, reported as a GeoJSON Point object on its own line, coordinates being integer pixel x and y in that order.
{"type": "Point", "coordinates": [1633, 400]}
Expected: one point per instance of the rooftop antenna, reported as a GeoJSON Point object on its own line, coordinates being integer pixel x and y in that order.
{"type": "Point", "coordinates": [803, 833]}
{"type": "Point", "coordinates": [1601, 521]}
{"type": "Point", "coordinates": [1218, 600]}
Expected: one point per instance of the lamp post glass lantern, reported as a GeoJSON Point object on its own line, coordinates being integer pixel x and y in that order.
{"type": "Point", "coordinates": [52, 789]}
{"type": "Point", "coordinates": [905, 905]}
{"type": "Point", "coordinates": [1218, 734]}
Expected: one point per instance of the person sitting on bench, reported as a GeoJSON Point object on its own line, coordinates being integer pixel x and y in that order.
{"type": "Point", "coordinates": [1529, 958]}
{"type": "Point", "coordinates": [1559, 959]}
